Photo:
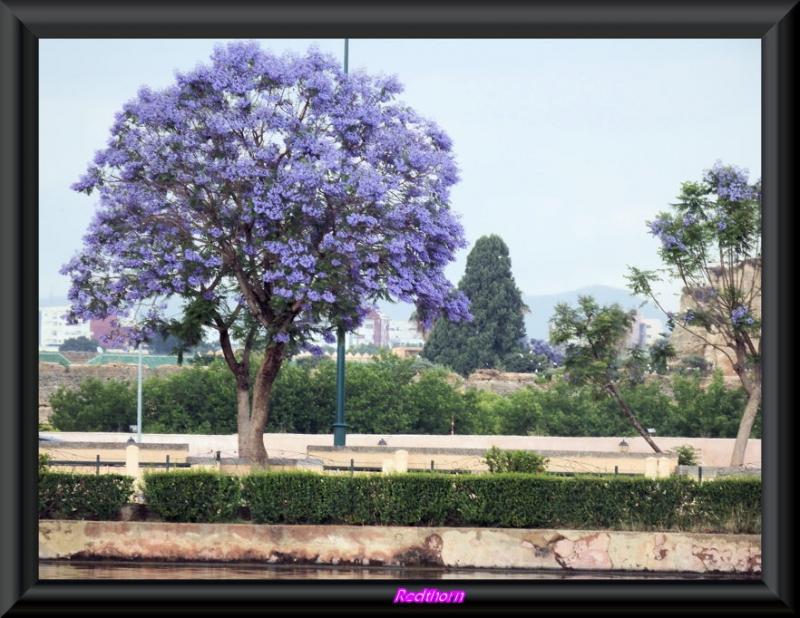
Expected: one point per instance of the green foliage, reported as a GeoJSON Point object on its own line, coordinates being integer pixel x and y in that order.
{"type": "Point", "coordinates": [711, 243]}
{"type": "Point", "coordinates": [79, 344]}
{"type": "Point", "coordinates": [197, 400]}
{"type": "Point", "coordinates": [82, 496]}
{"type": "Point", "coordinates": [193, 496]}
{"type": "Point", "coordinates": [711, 412]}
{"type": "Point", "coordinates": [687, 455]}
{"type": "Point", "coordinates": [387, 395]}
{"type": "Point", "coordinates": [502, 500]}
{"type": "Point", "coordinates": [44, 462]}
{"type": "Point", "coordinates": [435, 402]}
{"type": "Point", "coordinates": [94, 406]}
{"type": "Point", "coordinates": [313, 498]}
{"type": "Point", "coordinates": [692, 362]}
{"type": "Point", "coordinates": [515, 461]}
{"type": "Point", "coordinates": [496, 305]}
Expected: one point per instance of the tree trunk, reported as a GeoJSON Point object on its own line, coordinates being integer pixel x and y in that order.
{"type": "Point", "coordinates": [745, 426]}
{"type": "Point", "coordinates": [242, 413]}
{"type": "Point", "coordinates": [254, 451]}
{"type": "Point", "coordinates": [633, 420]}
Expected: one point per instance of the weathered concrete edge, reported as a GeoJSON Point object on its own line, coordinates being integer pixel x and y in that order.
{"type": "Point", "coordinates": [401, 546]}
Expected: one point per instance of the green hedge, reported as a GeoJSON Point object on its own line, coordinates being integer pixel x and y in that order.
{"type": "Point", "coordinates": [193, 496]}
{"type": "Point", "coordinates": [504, 500]}
{"type": "Point", "coordinates": [63, 495]}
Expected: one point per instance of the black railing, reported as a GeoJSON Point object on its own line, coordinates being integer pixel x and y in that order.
{"type": "Point", "coordinates": [97, 464]}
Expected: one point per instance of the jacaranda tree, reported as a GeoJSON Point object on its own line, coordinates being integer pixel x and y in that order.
{"type": "Point", "coordinates": [278, 197]}
{"type": "Point", "coordinates": [712, 244]}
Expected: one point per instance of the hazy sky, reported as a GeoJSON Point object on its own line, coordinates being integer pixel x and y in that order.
{"type": "Point", "coordinates": [566, 147]}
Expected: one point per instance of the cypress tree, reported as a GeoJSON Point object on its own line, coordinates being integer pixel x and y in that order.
{"type": "Point", "coordinates": [498, 327]}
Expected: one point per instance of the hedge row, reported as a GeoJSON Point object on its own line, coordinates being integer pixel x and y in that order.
{"type": "Point", "coordinates": [493, 500]}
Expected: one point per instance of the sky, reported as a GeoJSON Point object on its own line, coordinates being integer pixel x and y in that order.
{"type": "Point", "coordinates": [566, 147]}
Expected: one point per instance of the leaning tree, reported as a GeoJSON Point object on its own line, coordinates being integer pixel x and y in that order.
{"type": "Point", "coordinates": [711, 243]}
{"type": "Point", "coordinates": [595, 354]}
{"type": "Point", "coordinates": [278, 197]}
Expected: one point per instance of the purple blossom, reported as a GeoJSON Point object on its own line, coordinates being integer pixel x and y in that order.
{"type": "Point", "coordinates": [278, 179]}
{"type": "Point", "coordinates": [741, 316]}
{"type": "Point", "coordinates": [730, 182]}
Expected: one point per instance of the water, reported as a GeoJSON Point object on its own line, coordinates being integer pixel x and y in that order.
{"type": "Point", "coordinates": [104, 570]}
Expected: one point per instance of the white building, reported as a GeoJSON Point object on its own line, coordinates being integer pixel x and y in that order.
{"type": "Point", "coordinates": [405, 335]}
{"type": "Point", "coordinates": [54, 330]}
{"type": "Point", "coordinates": [645, 332]}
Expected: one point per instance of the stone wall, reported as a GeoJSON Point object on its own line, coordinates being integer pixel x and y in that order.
{"type": "Point", "coordinates": [698, 342]}
{"type": "Point", "coordinates": [559, 550]}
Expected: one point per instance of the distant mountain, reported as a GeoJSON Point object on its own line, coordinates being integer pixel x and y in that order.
{"type": "Point", "coordinates": [542, 308]}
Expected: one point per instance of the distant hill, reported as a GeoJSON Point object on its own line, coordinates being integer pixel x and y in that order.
{"type": "Point", "coordinates": [543, 307]}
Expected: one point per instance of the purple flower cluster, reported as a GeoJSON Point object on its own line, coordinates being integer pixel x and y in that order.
{"type": "Point", "coordinates": [669, 232]}
{"type": "Point", "coordinates": [740, 316]}
{"type": "Point", "coordinates": [279, 182]}
{"type": "Point", "coordinates": [731, 183]}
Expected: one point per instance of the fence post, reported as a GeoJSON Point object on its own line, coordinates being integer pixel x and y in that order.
{"type": "Point", "coordinates": [431, 465]}
{"type": "Point", "coordinates": [167, 463]}
{"type": "Point", "coordinates": [97, 465]}
{"type": "Point", "coordinates": [351, 467]}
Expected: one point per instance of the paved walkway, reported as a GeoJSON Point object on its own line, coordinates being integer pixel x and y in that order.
{"type": "Point", "coordinates": [713, 451]}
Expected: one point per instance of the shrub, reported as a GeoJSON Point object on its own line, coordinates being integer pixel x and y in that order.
{"type": "Point", "coordinates": [193, 496]}
{"type": "Point", "coordinates": [687, 455]}
{"type": "Point", "coordinates": [515, 461]}
{"type": "Point", "coordinates": [82, 496]}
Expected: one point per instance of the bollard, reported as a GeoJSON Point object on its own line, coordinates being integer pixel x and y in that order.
{"type": "Point", "coordinates": [700, 474]}
{"type": "Point", "coordinates": [401, 461]}
{"type": "Point", "coordinates": [97, 465]}
{"type": "Point", "coordinates": [167, 463]}
{"type": "Point", "coordinates": [132, 459]}
{"type": "Point", "coordinates": [616, 470]}
{"type": "Point", "coordinates": [351, 467]}
{"type": "Point", "coordinates": [431, 465]}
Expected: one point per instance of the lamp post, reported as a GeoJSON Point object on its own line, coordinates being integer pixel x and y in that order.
{"type": "Point", "coordinates": [339, 427]}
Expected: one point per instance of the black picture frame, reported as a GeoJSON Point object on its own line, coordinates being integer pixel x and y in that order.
{"type": "Point", "coordinates": [23, 23]}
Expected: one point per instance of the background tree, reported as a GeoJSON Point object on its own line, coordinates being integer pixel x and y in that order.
{"type": "Point", "coordinates": [594, 337]}
{"type": "Point", "coordinates": [79, 344]}
{"type": "Point", "coordinates": [711, 242]}
{"type": "Point", "coordinates": [279, 197]}
{"type": "Point", "coordinates": [498, 326]}
{"type": "Point", "coordinates": [94, 406]}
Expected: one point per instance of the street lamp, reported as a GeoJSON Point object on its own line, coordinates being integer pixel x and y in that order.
{"type": "Point", "coordinates": [623, 447]}
{"type": "Point", "coordinates": [340, 427]}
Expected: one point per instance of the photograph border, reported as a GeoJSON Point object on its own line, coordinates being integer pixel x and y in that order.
{"type": "Point", "coordinates": [24, 23]}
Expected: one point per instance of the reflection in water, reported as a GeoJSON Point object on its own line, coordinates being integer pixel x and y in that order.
{"type": "Point", "coordinates": [63, 569]}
